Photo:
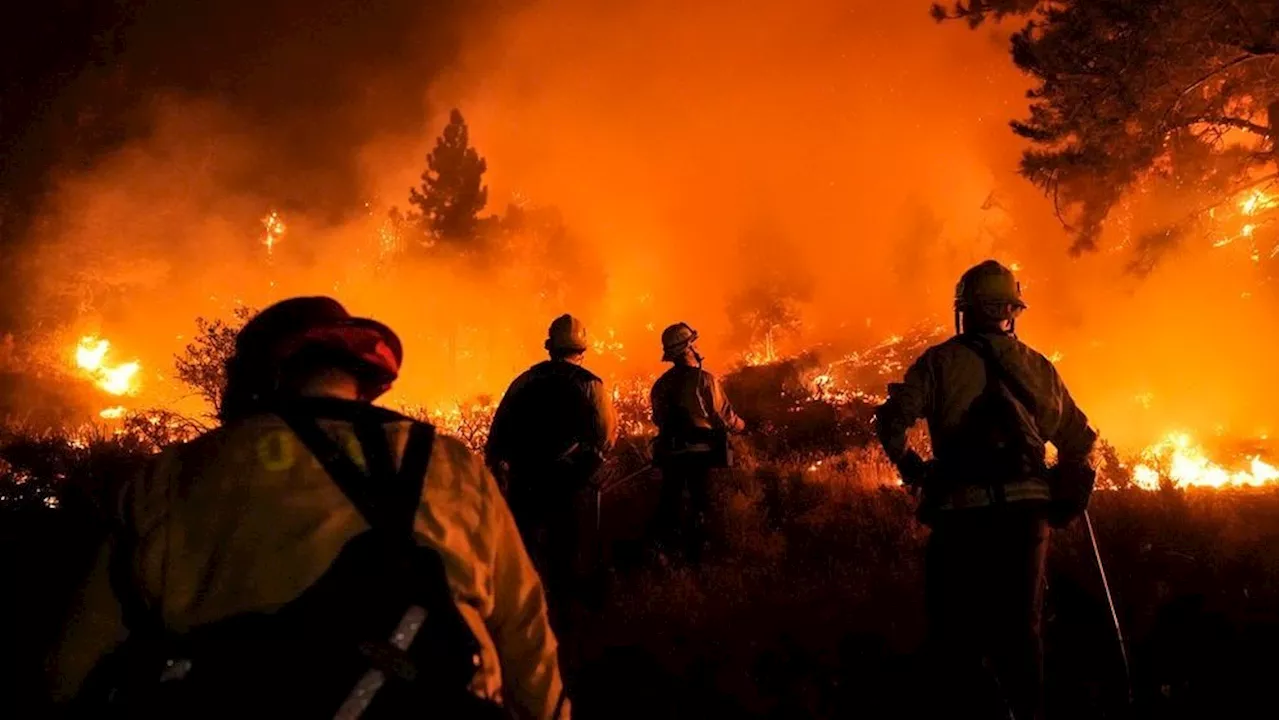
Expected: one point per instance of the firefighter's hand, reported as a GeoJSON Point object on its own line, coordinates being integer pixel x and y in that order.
{"type": "Point", "coordinates": [913, 469]}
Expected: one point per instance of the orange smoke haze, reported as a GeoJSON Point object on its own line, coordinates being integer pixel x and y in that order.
{"type": "Point", "coordinates": [692, 148]}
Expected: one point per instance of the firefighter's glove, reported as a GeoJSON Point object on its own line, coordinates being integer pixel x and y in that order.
{"type": "Point", "coordinates": [913, 469]}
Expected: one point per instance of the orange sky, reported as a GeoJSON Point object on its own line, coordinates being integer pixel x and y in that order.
{"type": "Point", "coordinates": [666, 134]}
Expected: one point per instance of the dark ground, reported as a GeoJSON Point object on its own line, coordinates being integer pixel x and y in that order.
{"type": "Point", "coordinates": [810, 605]}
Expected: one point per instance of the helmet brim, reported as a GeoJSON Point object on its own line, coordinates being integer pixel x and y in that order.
{"type": "Point", "coordinates": [572, 348]}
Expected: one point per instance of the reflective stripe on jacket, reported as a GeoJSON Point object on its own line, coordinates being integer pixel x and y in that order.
{"type": "Point", "coordinates": [974, 496]}
{"type": "Point", "coordinates": [244, 519]}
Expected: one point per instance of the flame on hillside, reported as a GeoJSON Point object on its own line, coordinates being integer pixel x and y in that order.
{"type": "Point", "coordinates": [112, 378]}
{"type": "Point", "coordinates": [1180, 460]}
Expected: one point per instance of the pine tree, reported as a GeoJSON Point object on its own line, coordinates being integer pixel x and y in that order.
{"type": "Point", "coordinates": [1176, 98]}
{"type": "Point", "coordinates": [449, 200]}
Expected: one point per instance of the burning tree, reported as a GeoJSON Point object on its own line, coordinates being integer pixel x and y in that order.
{"type": "Point", "coordinates": [767, 309]}
{"type": "Point", "coordinates": [452, 195]}
{"type": "Point", "coordinates": [1177, 99]}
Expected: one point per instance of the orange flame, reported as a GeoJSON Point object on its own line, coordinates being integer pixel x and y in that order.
{"type": "Point", "coordinates": [118, 379]}
{"type": "Point", "coordinates": [1179, 459]}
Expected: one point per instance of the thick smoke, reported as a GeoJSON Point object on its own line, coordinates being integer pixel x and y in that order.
{"type": "Point", "coordinates": [858, 158]}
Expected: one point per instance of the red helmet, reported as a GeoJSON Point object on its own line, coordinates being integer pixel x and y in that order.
{"type": "Point", "coordinates": [284, 329]}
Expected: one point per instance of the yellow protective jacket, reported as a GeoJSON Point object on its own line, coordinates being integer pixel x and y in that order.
{"type": "Point", "coordinates": [688, 397]}
{"type": "Point", "coordinates": [946, 380]}
{"type": "Point", "coordinates": [244, 519]}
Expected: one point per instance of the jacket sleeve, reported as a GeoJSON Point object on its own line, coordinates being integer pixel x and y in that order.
{"type": "Point", "coordinates": [496, 446]}
{"type": "Point", "coordinates": [908, 401]}
{"type": "Point", "coordinates": [719, 404]}
{"type": "Point", "coordinates": [657, 406]}
{"type": "Point", "coordinates": [606, 420]}
{"type": "Point", "coordinates": [518, 622]}
{"type": "Point", "coordinates": [1073, 478]}
{"type": "Point", "coordinates": [1073, 437]}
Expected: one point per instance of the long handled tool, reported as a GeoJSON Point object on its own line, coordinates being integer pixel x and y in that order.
{"type": "Point", "coordinates": [1115, 618]}
{"type": "Point", "coordinates": [600, 489]}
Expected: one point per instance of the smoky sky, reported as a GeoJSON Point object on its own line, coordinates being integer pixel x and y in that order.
{"type": "Point", "coordinates": [854, 152]}
{"type": "Point", "coordinates": [307, 83]}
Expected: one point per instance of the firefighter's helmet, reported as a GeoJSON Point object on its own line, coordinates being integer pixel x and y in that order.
{"type": "Point", "coordinates": [567, 334]}
{"type": "Point", "coordinates": [986, 284]}
{"type": "Point", "coordinates": [676, 339]}
{"type": "Point", "coordinates": [286, 328]}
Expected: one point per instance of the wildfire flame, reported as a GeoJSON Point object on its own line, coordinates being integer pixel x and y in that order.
{"type": "Point", "coordinates": [275, 230]}
{"type": "Point", "coordinates": [1254, 203]}
{"type": "Point", "coordinates": [1178, 458]}
{"type": "Point", "coordinates": [91, 355]}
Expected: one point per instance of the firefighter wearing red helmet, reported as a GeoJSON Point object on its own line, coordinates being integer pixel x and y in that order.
{"type": "Point", "coordinates": [316, 556]}
{"type": "Point", "coordinates": [549, 436]}
{"type": "Point", "coordinates": [694, 419]}
{"type": "Point", "coordinates": [991, 403]}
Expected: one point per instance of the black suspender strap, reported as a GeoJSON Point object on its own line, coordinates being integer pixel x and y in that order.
{"type": "Point", "coordinates": [413, 471]}
{"type": "Point", "coordinates": [390, 509]}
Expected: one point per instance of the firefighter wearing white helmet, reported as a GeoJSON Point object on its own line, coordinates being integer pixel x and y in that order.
{"type": "Point", "coordinates": [694, 419]}
{"type": "Point", "coordinates": [991, 403]}
{"type": "Point", "coordinates": [548, 438]}
{"type": "Point", "coordinates": [314, 554]}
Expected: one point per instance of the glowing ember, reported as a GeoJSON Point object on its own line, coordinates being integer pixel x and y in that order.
{"type": "Point", "coordinates": [609, 344]}
{"type": "Point", "coordinates": [1178, 458]}
{"type": "Point", "coordinates": [1257, 200]}
{"type": "Point", "coordinates": [91, 355]}
{"type": "Point", "coordinates": [275, 230]}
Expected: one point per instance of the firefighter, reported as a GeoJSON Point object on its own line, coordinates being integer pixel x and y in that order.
{"type": "Point", "coordinates": [549, 436]}
{"type": "Point", "coordinates": [694, 420]}
{"type": "Point", "coordinates": [295, 502]}
{"type": "Point", "coordinates": [991, 403]}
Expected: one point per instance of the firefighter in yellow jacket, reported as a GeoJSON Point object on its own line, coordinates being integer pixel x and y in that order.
{"type": "Point", "coordinates": [991, 403]}
{"type": "Point", "coordinates": [245, 520]}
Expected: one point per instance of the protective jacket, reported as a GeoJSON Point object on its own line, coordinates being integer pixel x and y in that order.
{"type": "Point", "coordinates": [945, 386]}
{"type": "Point", "coordinates": [552, 409]}
{"type": "Point", "coordinates": [688, 398]}
{"type": "Point", "coordinates": [244, 519]}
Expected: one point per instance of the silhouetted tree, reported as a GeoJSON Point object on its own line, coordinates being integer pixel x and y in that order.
{"type": "Point", "coordinates": [202, 366]}
{"type": "Point", "coordinates": [767, 308]}
{"type": "Point", "coordinates": [452, 195]}
{"type": "Point", "coordinates": [566, 272]}
{"type": "Point", "coordinates": [1178, 96]}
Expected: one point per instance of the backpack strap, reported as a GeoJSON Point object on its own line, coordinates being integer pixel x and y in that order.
{"type": "Point", "coordinates": [391, 510]}
{"type": "Point", "coordinates": [387, 509]}
{"type": "Point", "coordinates": [413, 472]}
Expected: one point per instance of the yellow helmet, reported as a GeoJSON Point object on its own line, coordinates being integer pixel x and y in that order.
{"type": "Point", "coordinates": [988, 283]}
{"type": "Point", "coordinates": [567, 334]}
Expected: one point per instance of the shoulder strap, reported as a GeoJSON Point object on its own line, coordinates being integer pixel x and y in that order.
{"type": "Point", "coordinates": [996, 369]}
{"type": "Point", "coordinates": [413, 471]}
{"type": "Point", "coordinates": [389, 511]}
